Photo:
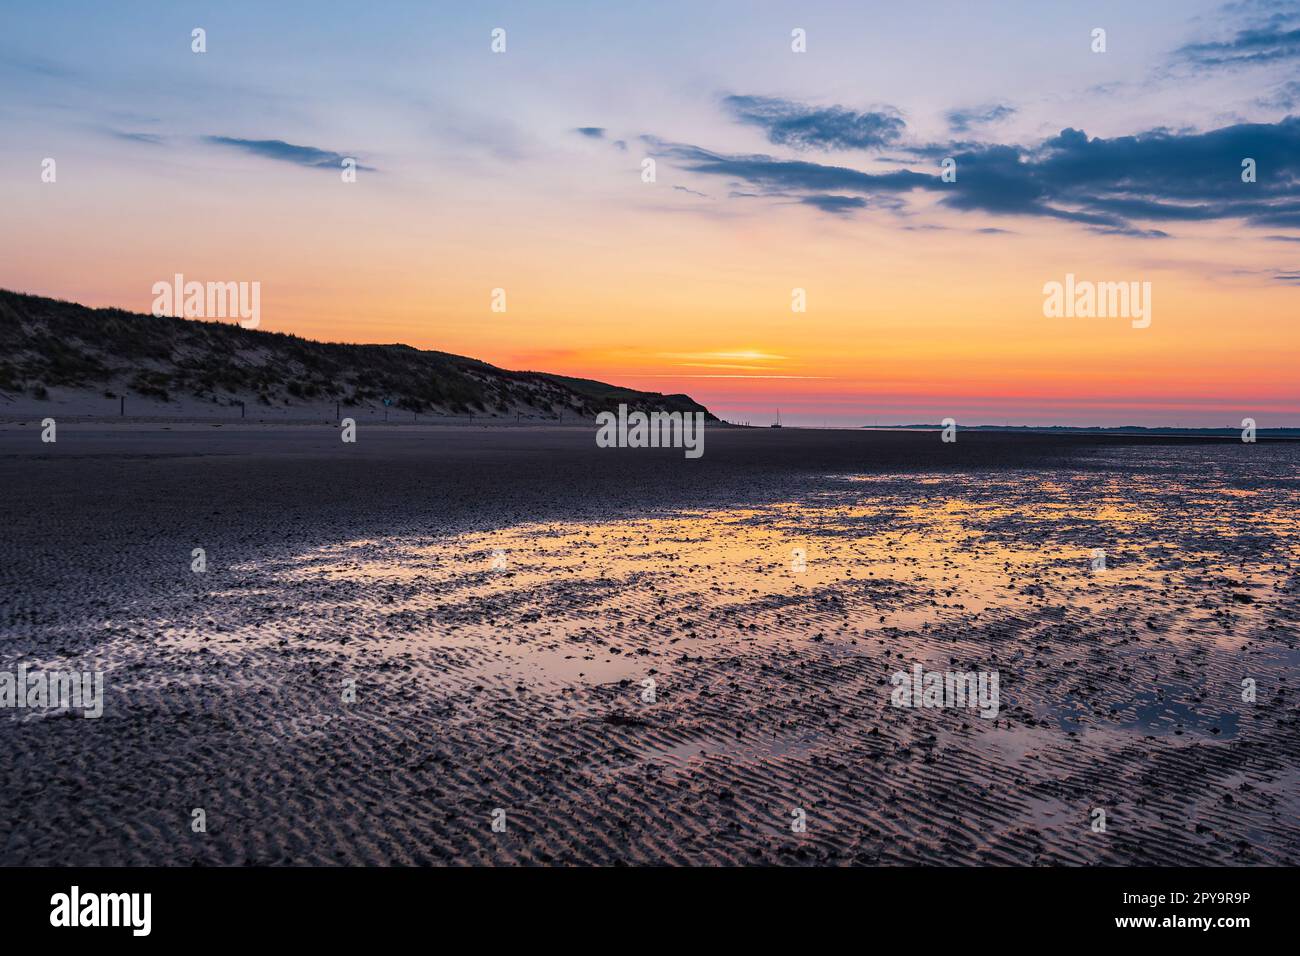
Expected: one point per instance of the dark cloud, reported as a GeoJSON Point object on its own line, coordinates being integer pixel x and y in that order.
{"type": "Point", "coordinates": [308, 156]}
{"type": "Point", "coordinates": [788, 123]}
{"type": "Point", "coordinates": [1164, 176]}
{"type": "Point", "coordinates": [960, 121]}
{"type": "Point", "coordinates": [1128, 185]}
{"type": "Point", "coordinates": [1273, 42]}
{"type": "Point", "coordinates": [778, 175]}
{"type": "Point", "coordinates": [840, 205]}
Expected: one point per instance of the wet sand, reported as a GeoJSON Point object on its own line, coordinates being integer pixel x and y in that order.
{"type": "Point", "coordinates": [500, 596]}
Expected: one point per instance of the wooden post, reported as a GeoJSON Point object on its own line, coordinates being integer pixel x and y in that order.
{"type": "Point", "coordinates": [123, 412]}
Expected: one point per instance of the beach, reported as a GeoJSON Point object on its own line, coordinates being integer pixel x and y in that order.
{"type": "Point", "coordinates": [468, 645]}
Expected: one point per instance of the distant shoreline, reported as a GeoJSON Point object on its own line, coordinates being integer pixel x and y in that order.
{"type": "Point", "coordinates": [1193, 431]}
{"type": "Point", "coordinates": [31, 413]}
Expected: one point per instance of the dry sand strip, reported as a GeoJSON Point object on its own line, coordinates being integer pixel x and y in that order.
{"type": "Point", "coordinates": [502, 596]}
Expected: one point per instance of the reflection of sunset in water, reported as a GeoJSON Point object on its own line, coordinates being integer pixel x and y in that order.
{"type": "Point", "coordinates": [873, 556]}
{"type": "Point", "coordinates": [517, 656]}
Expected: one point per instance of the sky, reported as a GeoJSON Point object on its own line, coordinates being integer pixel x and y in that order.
{"type": "Point", "coordinates": [774, 171]}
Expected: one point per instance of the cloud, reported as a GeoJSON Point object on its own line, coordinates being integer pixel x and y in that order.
{"type": "Point", "coordinates": [278, 149]}
{"type": "Point", "coordinates": [37, 66]}
{"type": "Point", "coordinates": [600, 133]}
{"type": "Point", "coordinates": [151, 139]}
{"type": "Point", "coordinates": [1286, 97]}
{"type": "Point", "coordinates": [961, 120]}
{"type": "Point", "coordinates": [1178, 176]}
{"type": "Point", "coordinates": [781, 174]}
{"type": "Point", "coordinates": [840, 205]}
{"type": "Point", "coordinates": [1273, 42]}
{"type": "Point", "coordinates": [788, 123]}
{"type": "Point", "coordinates": [1127, 185]}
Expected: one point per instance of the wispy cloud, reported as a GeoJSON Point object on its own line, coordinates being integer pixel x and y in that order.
{"type": "Point", "coordinates": [962, 120]}
{"type": "Point", "coordinates": [278, 149]}
{"type": "Point", "coordinates": [1276, 40]}
{"type": "Point", "coordinates": [151, 139]}
{"type": "Point", "coordinates": [37, 66]}
{"type": "Point", "coordinates": [784, 174]}
{"type": "Point", "coordinates": [839, 205]}
{"type": "Point", "coordinates": [788, 123]}
{"type": "Point", "coordinates": [728, 375]}
{"type": "Point", "coordinates": [750, 355]}
{"type": "Point", "coordinates": [601, 134]}
{"type": "Point", "coordinates": [730, 364]}
{"type": "Point", "coordinates": [1285, 97]}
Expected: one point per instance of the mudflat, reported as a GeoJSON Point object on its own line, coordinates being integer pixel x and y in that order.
{"type": "Point", "coordinates": [624, 655]}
